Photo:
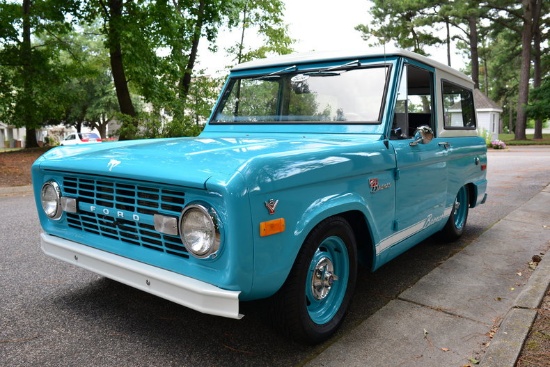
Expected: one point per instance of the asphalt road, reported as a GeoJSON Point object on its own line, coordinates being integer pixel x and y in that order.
{"type": "Point", "coordinates": [53, 314]}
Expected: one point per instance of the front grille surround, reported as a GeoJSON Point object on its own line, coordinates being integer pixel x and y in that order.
{"type": "Point", "coordinates": [123, 210]}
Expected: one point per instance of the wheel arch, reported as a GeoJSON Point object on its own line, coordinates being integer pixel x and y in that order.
{"type": "Point", "coordinates": [363, 236]}
{"type": "Point", "coordinates": [477, 192]}
{"type": "Point", "coordinates": [358, 220]}
{"type": "Point", "coordinates": [472, 194]}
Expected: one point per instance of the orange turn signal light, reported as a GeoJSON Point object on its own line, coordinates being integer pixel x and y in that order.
{"type": "Point", "coordinates": [272, 227]}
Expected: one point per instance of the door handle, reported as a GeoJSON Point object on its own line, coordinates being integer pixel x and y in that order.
{"type": "Point", "coordinates": [444, 144]}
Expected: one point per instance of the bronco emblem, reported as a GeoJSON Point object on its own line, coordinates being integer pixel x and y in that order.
{"type": "Point", "coordinates": [375, 186]}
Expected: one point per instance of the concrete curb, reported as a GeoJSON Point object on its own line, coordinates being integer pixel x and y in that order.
{"type": "Point", "coordinates": [15, 190]}
{"type": "Point", "coordinates": [506, 345]}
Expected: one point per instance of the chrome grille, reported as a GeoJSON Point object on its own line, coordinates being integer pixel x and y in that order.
{"type": "Point", "coordinates": [140, 198]}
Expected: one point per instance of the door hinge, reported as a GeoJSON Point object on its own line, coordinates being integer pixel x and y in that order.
{"type": "Point", "coordinates": [396, 174]}
{"type": "Point", "coordinates": [395, 225]}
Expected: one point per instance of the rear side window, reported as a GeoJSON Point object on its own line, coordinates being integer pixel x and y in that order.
{"type": "Point", "coordinates": [458, 107]}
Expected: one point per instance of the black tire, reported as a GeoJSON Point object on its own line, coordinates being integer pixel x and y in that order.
{"type": "Point", "coordinates": [312, 303]}
{"type": "Point", "coordinates": [459, 216]}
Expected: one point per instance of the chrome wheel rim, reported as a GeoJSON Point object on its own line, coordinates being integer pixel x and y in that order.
{"type": "Point", "coordinates": [327, 280]}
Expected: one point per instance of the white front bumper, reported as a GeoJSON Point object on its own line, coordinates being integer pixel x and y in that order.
{"type": "Point", "coordinates": [189, 292]}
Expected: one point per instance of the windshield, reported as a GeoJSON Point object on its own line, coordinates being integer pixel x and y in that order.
{"type": "Point", "coordinates": [343, 96]}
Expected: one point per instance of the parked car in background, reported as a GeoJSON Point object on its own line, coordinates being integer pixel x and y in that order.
{"type": "Point", "coordinates": [308, 166]}
{"type": "Point", "coordinates": [81, 138]}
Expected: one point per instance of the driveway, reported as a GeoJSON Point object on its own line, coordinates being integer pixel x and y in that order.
{"type": "Point", "coordinates": [53, 314]}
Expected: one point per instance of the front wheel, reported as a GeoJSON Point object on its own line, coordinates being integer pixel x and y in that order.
{"type": "Point", "coordinates": [459, 215]}
{"type": "Point", "coordinates": [312, 303]}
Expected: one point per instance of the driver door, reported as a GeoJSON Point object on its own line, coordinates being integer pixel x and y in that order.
{"type": "Point", "coordinates": [422, 165]}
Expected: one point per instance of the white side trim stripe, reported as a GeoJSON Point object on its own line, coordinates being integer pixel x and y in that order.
{"type": "Point", "coordinates": [399, 236]}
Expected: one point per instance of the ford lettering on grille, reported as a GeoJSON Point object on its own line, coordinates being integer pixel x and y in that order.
{"type": "Point", "coordinates": [114, 213]}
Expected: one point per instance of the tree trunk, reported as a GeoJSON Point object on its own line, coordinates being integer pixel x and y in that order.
{"type": "Point", "coordinates": [523, 93]}
{"type": "Point", "coordinates": [117, 67]}
{"type": "Point", "coordinates": [448, 40]}
{"type": "Point", "coordinates": [102, 126]}
{"type": "Point", "coordinates": [537, 77]}
{"type": "Point", "coordinates": [472, 24]}
{"type": "Point", "coordinates": [185, 81]}
{"type": "Point", "coordinates": [243, 29]}
{"type": "Point", "coordinates": [486, 76]}
{"type": "Point", "coordinates": [27, 71]}
{"type": "Point", "coordinates": [510, 118]}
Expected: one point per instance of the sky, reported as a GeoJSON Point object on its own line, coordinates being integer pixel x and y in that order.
{"type": "Point", "coordinates": [324, 25]}
{"type": "Point", "coordinates": [316, 25]}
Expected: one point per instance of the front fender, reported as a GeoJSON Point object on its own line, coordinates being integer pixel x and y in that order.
{"type": "Point", "coordinates": [326, 207]}
{"type": "Point", "coordinates": [275, 255]}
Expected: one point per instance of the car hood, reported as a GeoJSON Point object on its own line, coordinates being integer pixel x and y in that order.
{"type": "Point", "coordinates": [193, 161]}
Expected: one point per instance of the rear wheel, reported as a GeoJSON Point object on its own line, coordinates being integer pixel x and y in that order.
{"type": "Point", "coordinates": [459, 215]}
{"type": "Point", "coordinates": [312, 303]}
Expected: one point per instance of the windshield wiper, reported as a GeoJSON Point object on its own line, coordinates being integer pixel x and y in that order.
{"type": "Point", "coordinates": [277, 73]}
{"type": "Point", "coordinates": [322, 73]}
{"type": "Point", "coordinates": [328, 72]}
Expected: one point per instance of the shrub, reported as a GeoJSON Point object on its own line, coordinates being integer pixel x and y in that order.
{"type": "Point", "coordinates": [498, 144]}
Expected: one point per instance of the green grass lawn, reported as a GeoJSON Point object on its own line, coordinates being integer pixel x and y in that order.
{"type": "Point", "coordinates": [509, 140]}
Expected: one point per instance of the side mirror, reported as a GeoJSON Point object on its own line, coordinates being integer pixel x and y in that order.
{"type": "Point", "coordinates": [423, 134]}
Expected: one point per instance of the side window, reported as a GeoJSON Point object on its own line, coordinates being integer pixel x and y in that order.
{"type": "Point", "coordinates": [458, 107]}
{"type": "Point", "coordinates": [414, 106]}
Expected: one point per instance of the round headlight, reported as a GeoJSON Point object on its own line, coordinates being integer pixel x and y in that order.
{"type": "Point", "coordinates": [50, 196]}
{"type": "Point", "coordinates": [199, 231]}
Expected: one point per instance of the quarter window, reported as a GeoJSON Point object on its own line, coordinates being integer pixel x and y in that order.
{"type": "Point", "coordinates": [458, 105]}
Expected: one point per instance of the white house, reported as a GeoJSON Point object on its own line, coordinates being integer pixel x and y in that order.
{"type": "Point", "coordinates": [488, 114]}
{"type": "Point", "coordinates": [487, 111]}
{"type": "Point", "coordinates": [11, 136]}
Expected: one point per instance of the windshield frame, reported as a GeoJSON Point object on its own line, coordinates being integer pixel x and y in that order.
{"type": "Point", "coordinates": [286, 72]}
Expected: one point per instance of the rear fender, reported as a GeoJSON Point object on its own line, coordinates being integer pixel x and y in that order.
{"type": "Point", "coordinates": [477, 192]}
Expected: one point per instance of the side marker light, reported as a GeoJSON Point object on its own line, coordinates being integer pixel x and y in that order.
{"type": "Point", "coordinates": [272, 227]}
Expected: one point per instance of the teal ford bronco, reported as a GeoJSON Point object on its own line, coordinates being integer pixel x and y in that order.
{"type": "Point", "coordinates": [308, 166]}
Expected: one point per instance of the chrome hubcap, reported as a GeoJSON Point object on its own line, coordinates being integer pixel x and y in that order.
{"type": "Point", "coordinates": [323, 278]}
{"type": "Point", "coordinates": [456, 207]}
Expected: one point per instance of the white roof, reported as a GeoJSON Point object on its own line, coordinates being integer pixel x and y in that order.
{"type": "Point", "coordinates": [301, 58]}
